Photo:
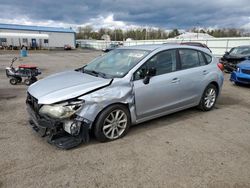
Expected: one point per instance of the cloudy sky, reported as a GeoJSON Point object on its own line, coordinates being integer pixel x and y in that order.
{"type": "Point", "coordinates": [167, 14]}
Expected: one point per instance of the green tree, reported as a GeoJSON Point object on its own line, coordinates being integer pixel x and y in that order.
{"type": "Point", "coordinates": [174, 33]}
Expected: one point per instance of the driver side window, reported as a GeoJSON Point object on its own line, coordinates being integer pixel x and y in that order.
{"type": "Point", "coordinates": [164, 62]}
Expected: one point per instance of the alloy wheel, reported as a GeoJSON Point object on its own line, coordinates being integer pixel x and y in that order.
{"type": "Point", "coordinates": [115, 124]}
{"type": "Point", "coordinates": [210, 98]}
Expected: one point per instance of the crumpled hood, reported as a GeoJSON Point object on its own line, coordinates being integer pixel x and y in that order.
{"type": "Point", "coordinates": [65, 85]}
{"type": "Point", "coordinates": [235, 57]}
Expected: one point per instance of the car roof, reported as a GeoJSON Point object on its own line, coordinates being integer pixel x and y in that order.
{"type": "Point", "coordinates": [149, 47]}
{"type": "Point", "coordinates": [191, 43]}
{"type": "Point", "coordinates": [242, 46]}
{"type": "Point", "coordinates": [152, 47]}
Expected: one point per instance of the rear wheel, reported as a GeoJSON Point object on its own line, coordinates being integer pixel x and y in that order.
{"type": "Point", "coordinates": [13, 81]}
{"type": "Point", "coordinates": [112, 123]}
{"type": "Point", "coordinates": [33, 79]}
{"type": "Point", "coordinates": [19, 79]}
{"type": "Point", "coordinates": [27, 81]}
{"type": "Point", "coordinates": [209, 98]}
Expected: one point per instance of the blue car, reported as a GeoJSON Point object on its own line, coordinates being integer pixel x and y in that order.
{"type": "Point", "coordinates": [242, 73]}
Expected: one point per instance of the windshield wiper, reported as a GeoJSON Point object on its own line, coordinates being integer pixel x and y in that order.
{"type": "Point", "coordinates": [99, 73]}
{"type": "Point", "coordinates": [95, 73]}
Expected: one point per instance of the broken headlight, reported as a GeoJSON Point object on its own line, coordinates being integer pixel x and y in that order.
{"type": "Point", "coordinates": [62, 110]}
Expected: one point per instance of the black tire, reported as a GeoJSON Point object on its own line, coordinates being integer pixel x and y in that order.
{"type": "Point", "coordinates": [27, 81]}
{"type": "Point", "coordinates": [33, 79]}
{"type": "Point", "coordinates": [202, 105]}
{"type": "Point", "coordinates": [101, 120]}
{"type": "Point", "coordinates": [19, 79]}
{"type": "Point", "coordinates": [237, 83]}
{"type": "Point", "coordinates": [13, 81]}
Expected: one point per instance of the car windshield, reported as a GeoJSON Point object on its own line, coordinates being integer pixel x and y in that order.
{"type": "Point", "coordinates": [240, 51]}
{"type": "Point", "coordinates": [116, 63]}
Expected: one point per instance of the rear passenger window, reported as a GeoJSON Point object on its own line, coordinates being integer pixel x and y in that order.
{"type": "Point", "coordinates": [189, 58]}
{"type": "Point", "coordinates": [201, 58]}
{"type": "Point", "coordinates": [208, 58]}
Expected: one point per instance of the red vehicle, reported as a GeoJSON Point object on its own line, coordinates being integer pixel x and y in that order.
{"type": "Point", "coordinates": [67, 47]}
{"type": "Point", "coordinates": [29, 72]}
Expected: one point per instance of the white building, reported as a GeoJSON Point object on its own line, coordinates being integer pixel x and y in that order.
{"type": "Point", "coordinates": [36, 36]}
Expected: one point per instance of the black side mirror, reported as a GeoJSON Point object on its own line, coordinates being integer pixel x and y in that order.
{"type": "Point", "coordinates": [150, 72]}
{"type": "Point", "coordinates": [226, 53]}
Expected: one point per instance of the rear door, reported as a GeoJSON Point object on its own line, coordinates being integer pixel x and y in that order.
{"type": "Point", "coordinates": [192, 75]}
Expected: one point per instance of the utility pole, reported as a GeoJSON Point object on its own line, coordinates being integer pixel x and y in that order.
{"type": "Point", "coordinates": [115, 34]}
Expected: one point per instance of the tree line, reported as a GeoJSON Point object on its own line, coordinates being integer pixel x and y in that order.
{"type": "Point", "coordinates": [88, 32]}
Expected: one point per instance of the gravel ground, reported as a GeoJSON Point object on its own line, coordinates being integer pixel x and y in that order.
{"type": "Point", "coordinates": [185, 149]}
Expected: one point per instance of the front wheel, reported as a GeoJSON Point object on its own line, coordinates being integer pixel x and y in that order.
{"type": "Point", "coordinates": [237, 83]}
{"type": "Point", "coordinates": [13, 81]}
{"type": "Point", "coordinates": [209, 98]}
{"type": "Point", "coordinates": [112, 123]}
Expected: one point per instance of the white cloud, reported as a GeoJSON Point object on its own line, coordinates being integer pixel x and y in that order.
{"type": "Point", "coordinates": [27, 21]}
{"type": "Point", "coordinates": [247, 25]}
{"type": "Point", "coordinates": [128, 13]}
{"type": "Point", "coordinates": [96, 23]}
{"type": "Point", "coordinates": [108, 22]}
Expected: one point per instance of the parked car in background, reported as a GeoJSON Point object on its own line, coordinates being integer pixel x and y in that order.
{"type": "Point", "coordinates": [242, 73]}
{"type": "Point", "coordinates": [234, 56]}
{"type": "Point", "coordinates": [126, 86]}
{"type": "Point", "coordinates": [198, 44]}
{"type": "Point", "coordinates": [110, 47]}
{"type": "Point", "coordinates": [67, 47]}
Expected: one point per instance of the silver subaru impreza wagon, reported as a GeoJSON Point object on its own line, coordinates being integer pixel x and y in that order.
{"type": "Point", "coordinates": [126, 86]}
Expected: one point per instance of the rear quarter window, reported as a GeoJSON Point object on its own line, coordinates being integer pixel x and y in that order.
{"type": "Point", "coordinates": [208, 58]}
{"type": "Point", "coordinates": [202, 59]}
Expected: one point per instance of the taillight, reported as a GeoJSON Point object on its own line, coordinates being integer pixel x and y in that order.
{"type": "Point", "coordinates": [220, 66]}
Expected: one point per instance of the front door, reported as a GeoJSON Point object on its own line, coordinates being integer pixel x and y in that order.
{"type": "Point", "coordinates": [162, 92]}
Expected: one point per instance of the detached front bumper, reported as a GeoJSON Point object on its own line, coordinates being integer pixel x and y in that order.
{"type": "Point", "coordinates": [54, 130]}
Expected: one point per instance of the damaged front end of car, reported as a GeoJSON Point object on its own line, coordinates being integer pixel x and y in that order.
{"type": "Point", "coordinates": [67, 123]}
{"type": "Point", "coordinates": [59, 122]}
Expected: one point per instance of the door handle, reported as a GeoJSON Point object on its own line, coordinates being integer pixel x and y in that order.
{"type": "Point", "coordinates": [175, 80]}
{"type": "Point", "coordinates": [205, 72]}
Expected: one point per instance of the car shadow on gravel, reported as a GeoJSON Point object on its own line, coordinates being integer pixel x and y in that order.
{"type": "Point", "coordinates": [243, 85]}
{"type": "Point", "coordinates": [224, 100]}
{"type": "Point", "coordinates": [166, 120]}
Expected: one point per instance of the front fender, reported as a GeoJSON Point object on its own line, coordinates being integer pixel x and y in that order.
{"type": "Point", "coordinates": [96, 101]}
